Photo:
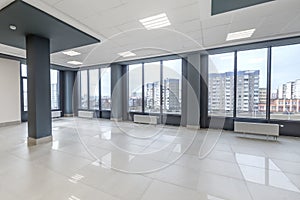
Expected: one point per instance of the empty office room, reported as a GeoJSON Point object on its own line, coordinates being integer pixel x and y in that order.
{"type": "Point", "coordinates": [150, 100]}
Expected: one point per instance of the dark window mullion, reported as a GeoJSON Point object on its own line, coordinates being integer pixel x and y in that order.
{"type": "Point", "coordinates": [99, 89]}
{"type": "Point", "coordinates": [269, 70]}
{"type": "Point", "coordinates": [161, 91]}
{"type": "Point", "coordinates": [143, 87]}
{"type": "Point", "coordinates": [235, 85]}
{"type": "Point", "coordinates": [88, 89]}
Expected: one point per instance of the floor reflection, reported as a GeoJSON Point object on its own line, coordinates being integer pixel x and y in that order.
{"type": "Point", "coordinates": [264, 171]}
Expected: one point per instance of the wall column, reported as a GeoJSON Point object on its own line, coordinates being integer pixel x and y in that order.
{"type": "Point", "coordinates": [116, 93]}
{"type": "Point", "coordinates": [69, 83]}
{"type": "Point", "coordinates": [39, 101]}
{"type": "Point", "coordinates": [193, 91]}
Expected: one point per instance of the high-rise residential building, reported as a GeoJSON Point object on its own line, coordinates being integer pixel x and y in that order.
{"type": "Point", "coordinates": [262, 95]}
{"type": "Point", "coordinates": [289, 90]}
{"type": "Point", "coordinates": [221, 88]}
{"type": "Point", "coordinates": [289, 87]}
{"type": "Point", "coordinates": [171, 95]}
{"type": "Point", "coordinates": [296, 90]}
{"type": "Point", "coordinates": [221, 96]}
{"type": "Point", "coordinates": [248, 91]}
{"type": "Point", "coordinates": [152, 96]}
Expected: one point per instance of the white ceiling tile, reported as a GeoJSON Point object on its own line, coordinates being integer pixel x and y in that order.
{"type": "Point", "coordinates": [76, 9]}
{"type": "Point", "coordinates": [215, 35]}
{"type": "Point", "coordinates": [217, 20]}
{"type": "Point", "coordinates": [189, 26]}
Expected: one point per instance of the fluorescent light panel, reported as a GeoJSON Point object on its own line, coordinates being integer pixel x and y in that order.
{"type": "Point", "coordinates": [75, 62]}
{"type": "Point", "coordinates": [71, 53]}
{"type": "Point", "coordinates": [127, 54]}
{"type": "Point", "coordinates": [240, 35]}
{"type": "Point", "coordinates": [157, 21]}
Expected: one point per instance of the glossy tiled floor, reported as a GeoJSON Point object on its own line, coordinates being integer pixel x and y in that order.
{"type": "Point", "coordinates": [100, 159]}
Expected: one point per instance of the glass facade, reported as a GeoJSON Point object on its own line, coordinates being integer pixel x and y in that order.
{"type": "Point", "coordinates": [90, 81]}
{"type": "Point", "coordinates": [221, 85]}
{"type": "Point", "coordinates": [24, 87]}
{"type": "Point", "coordinates": [94, 89]}
{"type": "Point", "coordinates": [172, 81]}
{"type": "Point", "coordinates": [135, 88]}
{"type": "Point", "coordinates": [55, 96]}
{"type": "Point", "coordinates": [54, 88]}
{"type": "Point", "coordinates": [152, 87]}
{"type": "Point", "coordinates": [285, 83]}
{"type": "Point", "coordinates": [105, 89]}
{"type": "Point", "coordinates": [252, 83]}
{"type": "Point", "coordinates": [155, 87]}
{"type": "Point", "coordinates": [83, 103]}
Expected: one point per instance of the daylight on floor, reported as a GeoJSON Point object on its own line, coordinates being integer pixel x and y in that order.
{"type": "Point", "coordinates": [149, 100]}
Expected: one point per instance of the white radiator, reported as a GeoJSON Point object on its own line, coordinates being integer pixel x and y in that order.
{"type": "Point", "coordinates": [257, 128]}
{"type": "Point", "coordinates": [145, 119]}
{"type": "Point", "coordinates": [56, 114]}
{"type": "Point", "coordinates": [86, 114]}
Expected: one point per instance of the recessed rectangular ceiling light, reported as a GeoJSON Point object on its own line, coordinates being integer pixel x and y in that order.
{"type": "Point", "coordinates": [240, 35]}
{"type": "Point", "coordinates": [71, 53]}
{"type": "Point", "coordinates": [127, 54]}
{"type": "Point", "coordinates": [157, 21]}
{"type": "Point", "coordinates": [75, 63]}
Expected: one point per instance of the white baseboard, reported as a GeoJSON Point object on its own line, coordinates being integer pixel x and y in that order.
{"type": "Point", "coordinates": [68, 115]}
{"type": "Point", "coordinates": [116, 119]}
{"type": "Point", "coordinates": [195, 127]}
{"type": "Point", "coordinates": [33, 141]}
{"type": "Point", "coordinates": [4, 124]}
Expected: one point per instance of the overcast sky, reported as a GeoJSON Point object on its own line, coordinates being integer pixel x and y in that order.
{"type": "Point", "coordinates": [285, 64]}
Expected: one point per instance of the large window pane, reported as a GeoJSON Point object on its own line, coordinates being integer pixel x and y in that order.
{"type": "Point", "coordinates": [24, 70]}
{"type": "Point", "coordinates": [94, 89]}
{"type": "Point", "coordinates": [221, 85]}
{"type": "Point", "coordinates": [83, 90]}
{"type": "Point", "coordinates": [25, 95]}
{"type": "Point", "coordinates": [135, 85]}
{"type": "Point", "coordinates": [152, 87]}
{"type": "Point", "coordinates": [105, 89]}
{"type": "Point", "coordinates": [172, 86]}
{"type": "Point", "coordinates": [285, 84]}
{"type": "Point", "coordinates": [54, 74]}
{"type": "Point", "coordinates": [252, 83]}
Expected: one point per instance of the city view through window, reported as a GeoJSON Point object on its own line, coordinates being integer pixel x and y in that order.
{"type": "Point", "coordinates": [89, 89]}
{"type": "Point", "coordinates": [221, 84]}
{"type": "Point", "coordinates": [165, 95]}
{"type": "Point", "coordinates": [285, 84]}
{"type": "Point", "coordinates": [54, 86]}
{"type": "Point", "coordinates": [251, 87]}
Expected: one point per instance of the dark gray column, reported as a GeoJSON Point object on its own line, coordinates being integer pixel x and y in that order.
{"type": "Point", "coordinates": [125, 92]}
{"type": "Point", "coordinates": [39, 102]}
{"type": "Point", "coordinates": [69, 81]}
{"type": "Point", "coordinates": [204, 92]}
{"type": "Point", "coordinates": [193, 91]}
{"type": "Point", "coordinates": [116, 92]}
{"type": "Point", "coordinates": [184, 93]}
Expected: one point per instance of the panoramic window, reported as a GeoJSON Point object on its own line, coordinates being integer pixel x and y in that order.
{"type": "Point", "coordinates": [221, 85]}
{"type": "Point", "coordinates": [105, 88]}
{"type": "Point", "coordinates": [25, 90]}
{"type": "Point", "coordinates": [54, 81]}
{"type": "Point", "coordinates": [25, 95]}
{"type": "Point", "coordinates": [83, 90]}
{"type": "Point", "coordinates": [152, 87]}
{"type": "Point", "coordinates": [171, 92]}
{"type": "Point", "coordinates": [135, 86]}
{"type": "Point", "coordinates": [285, 84]}
{"type": "Point", "coordinates": [94, 89]}
{"type": "Point", "coordinates": [251, 83]}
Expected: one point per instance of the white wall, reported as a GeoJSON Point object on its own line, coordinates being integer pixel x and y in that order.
{"type": "Point", "coordinates": [10, 106]}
